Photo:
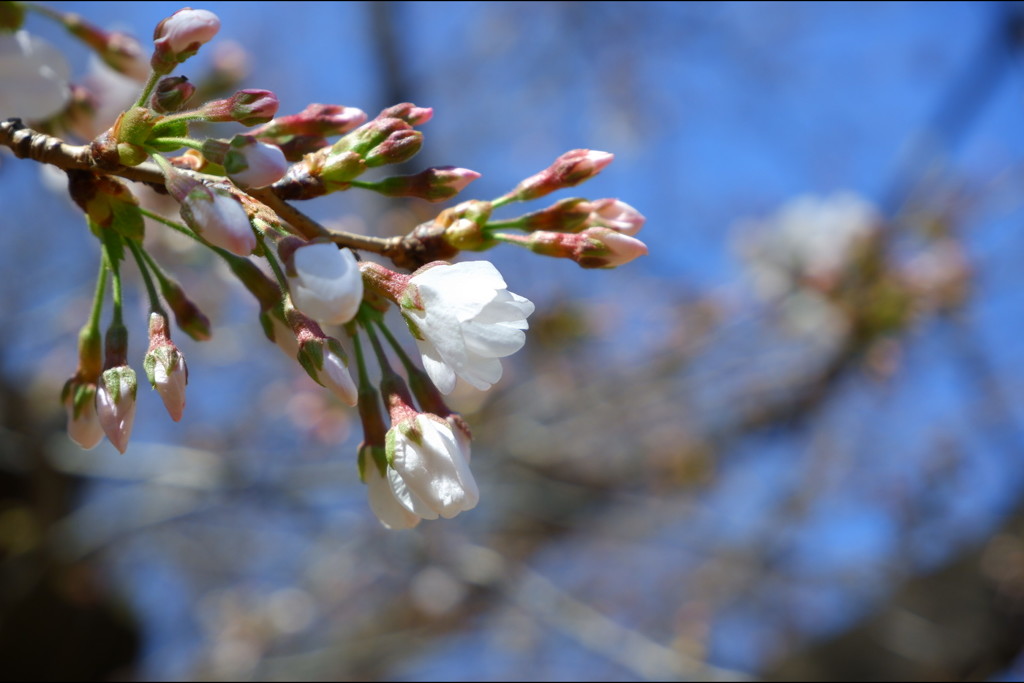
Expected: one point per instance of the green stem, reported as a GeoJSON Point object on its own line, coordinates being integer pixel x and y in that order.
{"type": "Point", "coordinates": [156, 270]}
{"type": "Point", "coordinates": [183, 142]}
{"type": "Point", "coordinates": [378, 350]}
{"type": "Point", "coordinates": [364, 376]}
{"type": "Point", "coordinates": [274, 265]}
{"type": "Point", "coordinates": [172, 224]}
{"type": "Point", "coordinates": [115, 274]}
{"type": "Point", "coordinates": [502, 201]}
{"type": "Point", "coordinates": [511, 223]}
{"type": "Point", "coordinates": [147, 89]}
{"type": "Point", "coordinates": [407, 363]}
{"type": "Point", "coordinates": [154, 300]}
{"type": "Point", "coordinates": [97, 301]}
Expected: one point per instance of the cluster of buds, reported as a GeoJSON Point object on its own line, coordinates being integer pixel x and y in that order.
{"type": "Point", "coordinates": [233, 195]}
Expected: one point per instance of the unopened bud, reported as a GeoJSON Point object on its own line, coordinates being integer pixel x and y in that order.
{"type": "Point", "coordinates": [570, 169]}
{"type": "Point", "coordinates": [165, 367]}
{"type": "Point", "coordinates": [408, 112]}
{"type": "Point", "coordinates": [180, 36]}
{"type": "Point", "coordinates": [248, 107]}
{"type": "Point", "coordinates": [115, 404]}
{"type": "Point", "coordinates": [171, 94]}
{"type": "Point", "coordinates": [363, 139]}
{"type": "Point", "coordinates": [323, 358]}
{"type": "Point", "coordinates": [250, 163]}
{"type": "Point", "coordinates": [399, 146]}
{"type": "Point", "coordinates": [212, 212]}
{"type": "Point", "coordinates": [433, 184]}
{"type": "Point", "coordinates": [79, 399]}
{"type": "Point", "coordinates": [591, 248]}
{"type": "Point", "coordinates": [615, 215]}
{"type": "Point", "coordinates": [316, 120]}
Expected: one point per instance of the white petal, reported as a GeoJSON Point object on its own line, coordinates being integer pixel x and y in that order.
{"type": "Point", "coordinates": [440, 373]}
{"type": "Point", "coordinates": [408, 500]}
{"type": "Point", "coordinates": [492, 341]}
{"type": "Point", "coordinates": [337, 378]}
{"type": "Point", "coordinates": [391, 513]}
{"type": "Point", "coordinates": [328, 286]}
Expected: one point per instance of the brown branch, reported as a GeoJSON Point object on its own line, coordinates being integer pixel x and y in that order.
{"type": "Point", "coordinates": [30, 144]}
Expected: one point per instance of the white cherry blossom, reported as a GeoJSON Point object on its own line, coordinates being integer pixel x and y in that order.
{"type": "Point", "coordinates": [429, 473]}
{"type": "Point", "coordinates": [327, 286]}
{"type": "Point", "coordinates": [464, 319]}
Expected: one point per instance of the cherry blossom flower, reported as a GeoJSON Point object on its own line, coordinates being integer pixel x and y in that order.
{"type": "Point", "coordinates": [464, 319]}
{"type": "Point", "coordinates": [326, 284]}
{"type": "Point", "coordinates": [385, 504]}
{"type": "Point", "coordinates": [428, 473]}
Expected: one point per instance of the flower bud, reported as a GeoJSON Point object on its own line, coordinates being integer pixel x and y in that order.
{"type": "Point", "coordinates": [180, 36]}
{"type": "Point", "coordinates": [399, 146]}
{"type": "Point", "coordinates": [250, 163]}
{"type": "Point", "coordinates": [592, 248]}
{"type": "Point", "coordinates": [363, 139]}
{"type": "Point", "coordinates": [572, 168]}
{"type": "Point", "coordinates": [433, 184]}
{"type": "Point", "coordinates": [165, 367]}
{"type": "Point", "coordinates": [120, 51]}
{"type": "Point", "coordinates": [83, 424]}
{"type": "Point", "coordinates": [212, 212]}
{"type": "Point", "coordinates": [408, 112]}
{"type": "Point", "coordinates": [566, 215]}
{"type": "Point", "coordinates": [171, 94]}
{"type": "Point", "coordinates": [316, 120]}
{"type": "Point", "coordinates": [247, 107]}
{"type": "Point", "coordinates": [323, 358]}
{"type": "Point", "coordinates": [615, 215]}
{"type": "Point", "coordinates": [324, 281]}
{"type": "Point", "coordinates": [115, 404]}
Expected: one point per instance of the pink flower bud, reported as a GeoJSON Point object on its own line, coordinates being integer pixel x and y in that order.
{"type": "Point", "coordinates": [592, 248]}
{"type": "Point", "coordinates": [83, 424]}
{"type": "Point", "coordinates": [399, 146]}
{"type": "Point", "coordinates": [185, 31]}
{"type": "Point", "coordinates": [212, 212]}
{"type": "Point", "coordinates": [615, 215]}
{"type": "Point", "coordinates": [171, 94]}
{"type": "Point", "coordinates": [323, 358]}
{"type": "Point", "coordinates": [316, 120]}
{"type": "Point", "coordinates": [572, 168]}
{"type": "Point", "coordinates": [165, 367]}
{"type": "Point", "coordinates": [115, 404]}
{"type": "Point", "coordinates": [605, 248]}
{"type": "Point", "coordinates": [433, 184]}
{"type": "Point", "coordinates": [250, 163]}
{"type": "Point", "coordinates": [247, 107]}
{"type": "Point", "coordinates": [408, 112]}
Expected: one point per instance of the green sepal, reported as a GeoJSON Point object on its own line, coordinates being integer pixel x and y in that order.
{"type": "Point", "coordinates": [389, 446]}
{"type": "Point", "coordinates": [168, 129]}
{"type": "Point", "coordinates": [311, 358]}
{"type": "Point", "coordinates": [112, 380]}
{"type": "Point", "coordinates": [126, 218]}
{"type": "Point", "coordinates": [414, 329]}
